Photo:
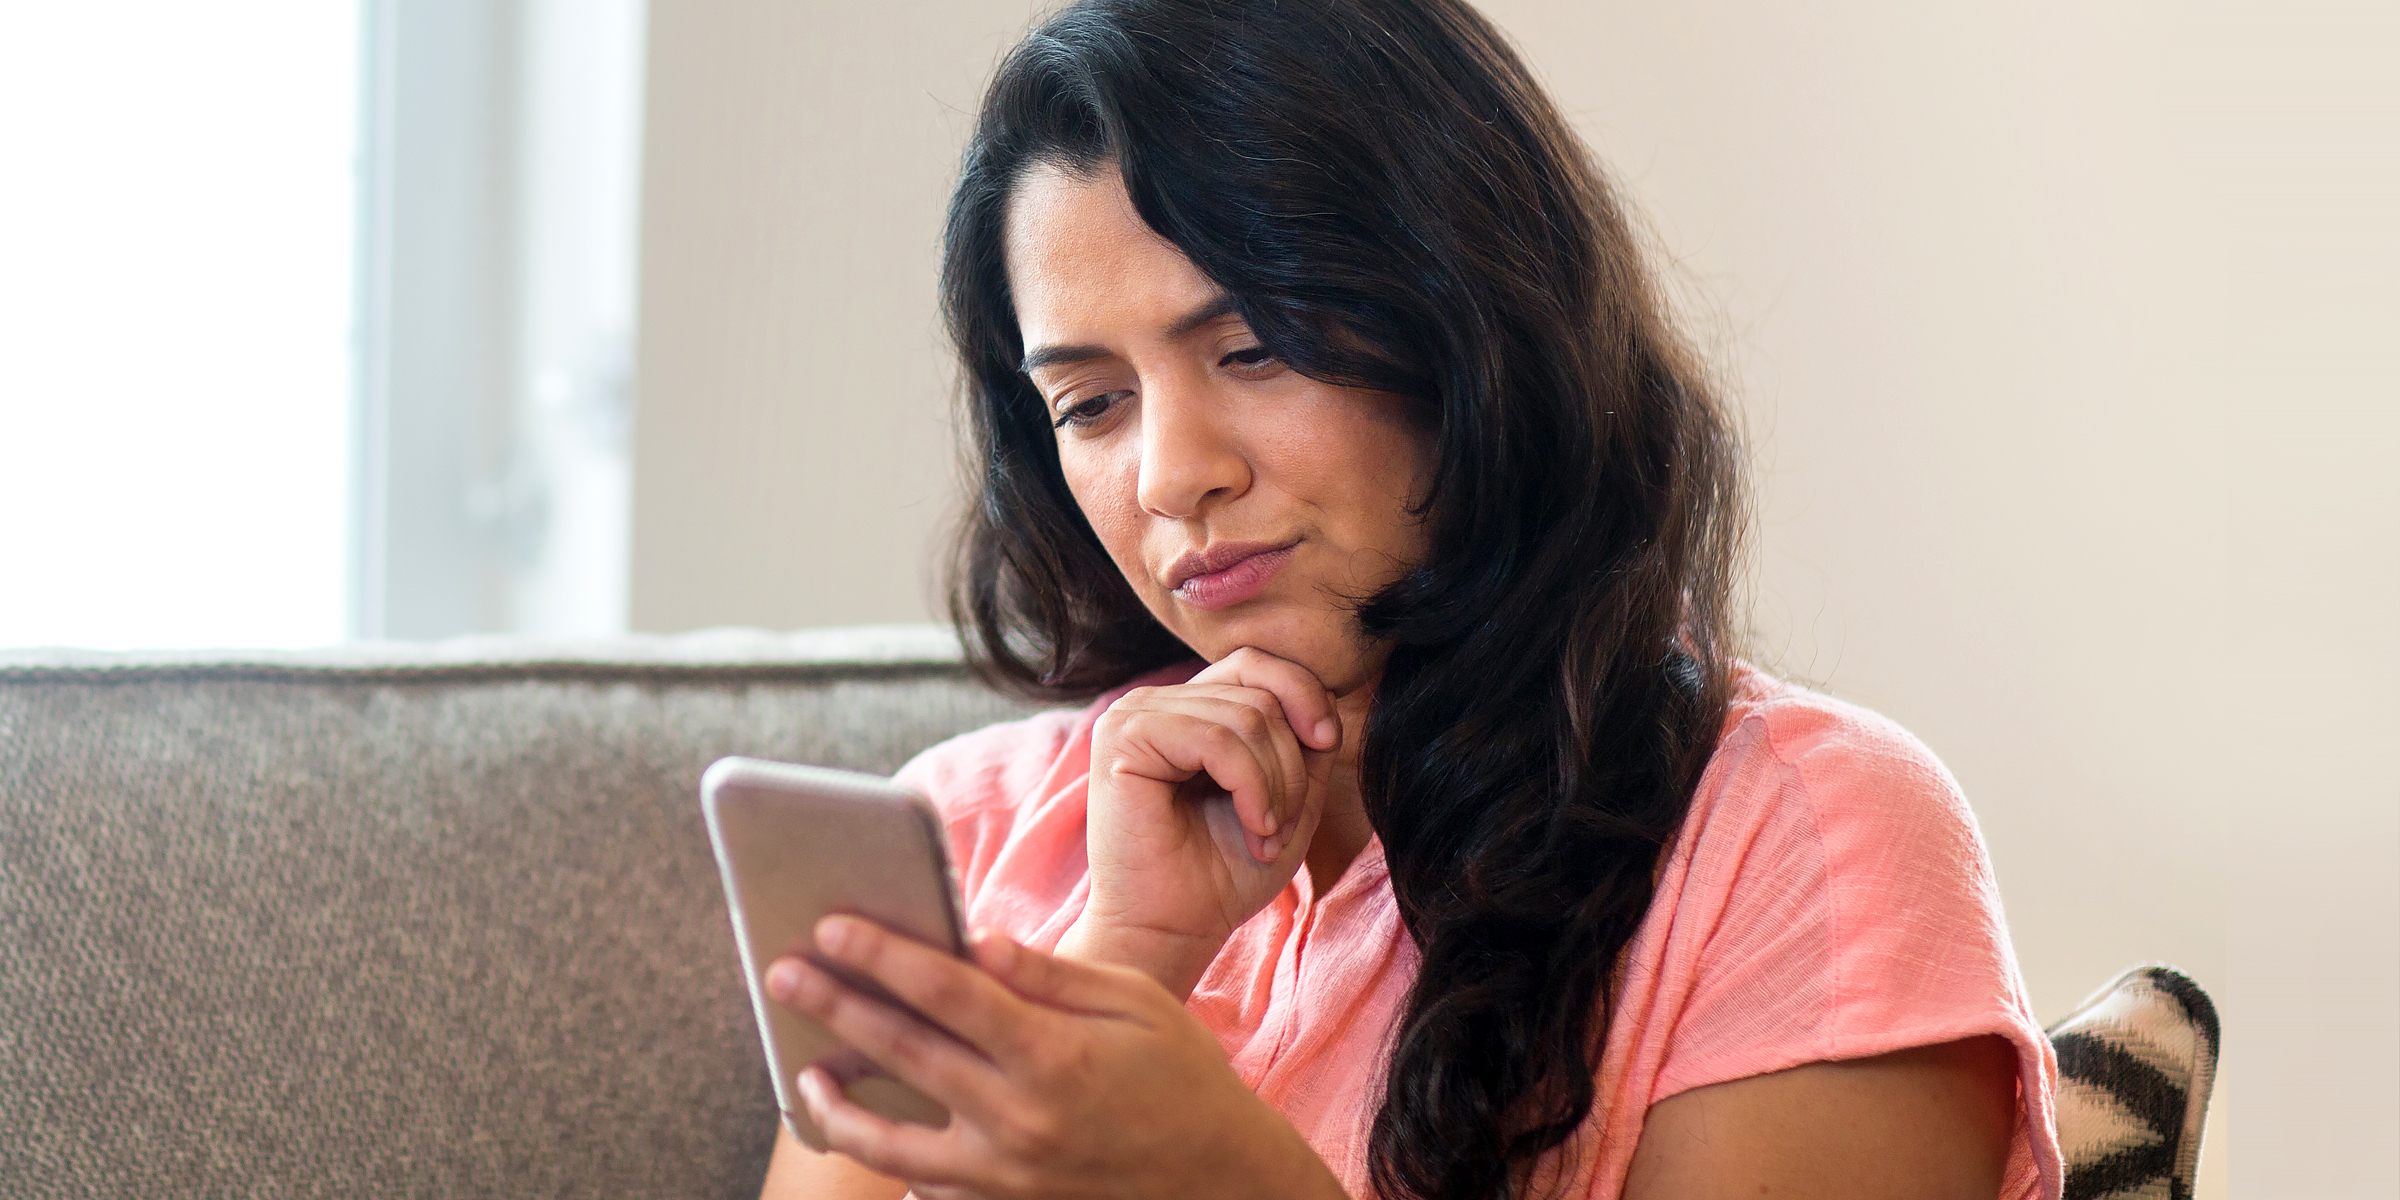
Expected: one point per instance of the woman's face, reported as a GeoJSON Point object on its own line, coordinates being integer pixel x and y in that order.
{"type": "Point", "coordinates": [1246, 503]}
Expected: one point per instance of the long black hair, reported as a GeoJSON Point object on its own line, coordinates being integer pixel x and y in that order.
{"type": "Point", "coordinates": [1394, 204]}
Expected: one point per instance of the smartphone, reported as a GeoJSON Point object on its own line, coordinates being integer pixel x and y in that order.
{"type": "Point", "coordinates": [795, 844]}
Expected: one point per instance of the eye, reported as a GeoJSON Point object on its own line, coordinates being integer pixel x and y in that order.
{"type": "Point", "coordinates": [1255, 356]}
{"type": "Point", "coordinates": [1084, 412]}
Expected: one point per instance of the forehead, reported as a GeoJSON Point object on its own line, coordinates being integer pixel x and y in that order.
{"type": "Point", "coordinates": [1083, 265]}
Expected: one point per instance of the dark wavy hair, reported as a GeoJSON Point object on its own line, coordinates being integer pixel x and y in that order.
{"type": "Point", "coordinates": [1394, 204]}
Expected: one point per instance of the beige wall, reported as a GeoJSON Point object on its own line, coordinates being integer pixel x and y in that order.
{"type": "Point", "coordinates": [2064, 333]}
{"type": "Point", "coordinates": [2052, 325]}
{"type": "Point", "coordinates": [791, 440]}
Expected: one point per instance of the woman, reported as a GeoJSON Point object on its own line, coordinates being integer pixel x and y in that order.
{"type": "Point", "coordinates": [1426, 839]}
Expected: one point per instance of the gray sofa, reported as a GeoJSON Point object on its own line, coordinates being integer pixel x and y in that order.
{"type": "Point", "coordinates": [443, 921]}
{"type": "Point", "coordinates": [404, 921]}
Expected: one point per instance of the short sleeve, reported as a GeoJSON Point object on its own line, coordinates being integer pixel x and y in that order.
{"type": "Point", "coordinates": [1919, 943]}
{"type": "Point", "coordinates": [1833, 900]}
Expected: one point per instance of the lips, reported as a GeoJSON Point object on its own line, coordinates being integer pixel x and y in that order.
{"type": "Point", "coordinates": [1228, 574]}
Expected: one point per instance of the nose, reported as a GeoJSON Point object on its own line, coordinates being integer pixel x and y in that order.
{"type": "Point", "coordinates": [1191, 456]}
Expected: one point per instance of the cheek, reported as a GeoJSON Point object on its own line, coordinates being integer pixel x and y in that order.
{"type": "Point", "coordinates": [1367, 462]}
{"type": "Point", "coordinates": [1106, 486]}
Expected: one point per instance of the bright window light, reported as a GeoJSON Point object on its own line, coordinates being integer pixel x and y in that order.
{"type": "Point", "coordinates": [177, 213]}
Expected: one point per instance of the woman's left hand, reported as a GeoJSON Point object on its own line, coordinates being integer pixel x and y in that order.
{"type": "Point", "coordinates": [1064, 1079]}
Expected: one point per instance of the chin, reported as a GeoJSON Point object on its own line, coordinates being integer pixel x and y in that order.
{"type": "Point", "coordinates": [1327, 642]}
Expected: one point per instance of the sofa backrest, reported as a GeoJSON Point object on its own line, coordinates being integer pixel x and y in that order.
{"type": "Point", "coordinates": [405, 921]}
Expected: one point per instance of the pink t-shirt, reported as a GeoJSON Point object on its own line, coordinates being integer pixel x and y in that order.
{"type": "Point", "coordinates": [1828, 898]}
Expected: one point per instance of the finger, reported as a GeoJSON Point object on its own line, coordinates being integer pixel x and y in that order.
{"type": "Point", "coordinates": [952, 992]}
{"type": "Point", "coordinates": [1188, 736]}
{"type": "Point", "coordinates": [1308, 705]}
{"type": "Point", "coordinates": [1257, 718]}
{"type": "Point", "coordinates": [910, 1050]}
{"type": "Point", "coordinates": [1300, 832]}
{"type": "Point", "coordinates": [1294, 835]}
{"type": "Point", "coordinates": [1252, 713]}
{"type": "Point", "coordinates": [878, 1143]}
{"type": "Point", "coordinates": [1277, 738]}
{"type": "Point", "coordinates": [1062, 982]}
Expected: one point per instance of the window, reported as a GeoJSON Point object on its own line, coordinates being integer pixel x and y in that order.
{"type": "Point", "coordinates": [315, 319]}
{"type": "Point", "coordinates": [176, 224]}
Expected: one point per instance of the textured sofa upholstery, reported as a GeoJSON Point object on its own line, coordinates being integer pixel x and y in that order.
{"type": "Point", "coordinates": [404, 921]}
{"type": "Point", "coordinates": [442, 921]}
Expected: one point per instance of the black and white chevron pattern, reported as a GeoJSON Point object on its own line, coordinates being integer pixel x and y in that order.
{"type": "Point", "coordinates": [2135, 1064]}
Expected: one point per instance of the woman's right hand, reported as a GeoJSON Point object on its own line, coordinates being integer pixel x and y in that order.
{"type": "Point", "coordinates": [1203, 797]}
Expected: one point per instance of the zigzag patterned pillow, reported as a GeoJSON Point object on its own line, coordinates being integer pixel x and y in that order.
{"type": "Point", "coordinates": [2135, 1064]}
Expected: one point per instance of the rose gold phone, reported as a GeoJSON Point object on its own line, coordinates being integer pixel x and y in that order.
{"type": "Point", "coordinates": [795, 844]}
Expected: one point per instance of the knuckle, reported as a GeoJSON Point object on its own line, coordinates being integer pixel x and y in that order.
{"type": "Point", "coordinates": [1025, 1045]}
{"type": "Point", "coordinates": [1251, 723]}
{"type": "Point", "coordinates": [948, 992]}
{"type": "Point", "coordinates": [1039, 1059]}
{"type": "Point", "coordinates": [910, 1052]}
{"type": "Point", "coordinates": [1036, 1131]}
{"type": "Point", "coordinates": [856, 1022]}
{"type": "Point", "coordinates": [896, 1043]}
{"type": "Point", "coordinates": [886, 1034]}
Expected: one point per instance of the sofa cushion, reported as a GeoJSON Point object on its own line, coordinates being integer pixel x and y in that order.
{"type": "Point", "coordinates": [2136, 1063]}
{"type": "Point", "coordinates": [405, 921]}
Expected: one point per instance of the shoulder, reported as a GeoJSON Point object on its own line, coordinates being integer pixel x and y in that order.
{"type": "Point", "coordinates": [1821, 816]}
{"type": "Point", "coordinates": [1830, 898]}
{"type": "Point", "coordinates": [1860, 781]}
{"type": "Point", "coordinates": [1852, 908]}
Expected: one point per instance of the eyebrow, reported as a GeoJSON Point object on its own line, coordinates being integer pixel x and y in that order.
{"type": "Point", "coordinates": [1051, 356]}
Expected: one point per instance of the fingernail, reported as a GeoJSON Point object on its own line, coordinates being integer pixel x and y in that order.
{"type": "Point", "coordinates": [782, 978]}
{"type": "Point", "coordinates": [1273, 823]}
{"type": "Point", "coordinates": [1329, 731]}
{"type": "Point", "coordinates": [833, 934]}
